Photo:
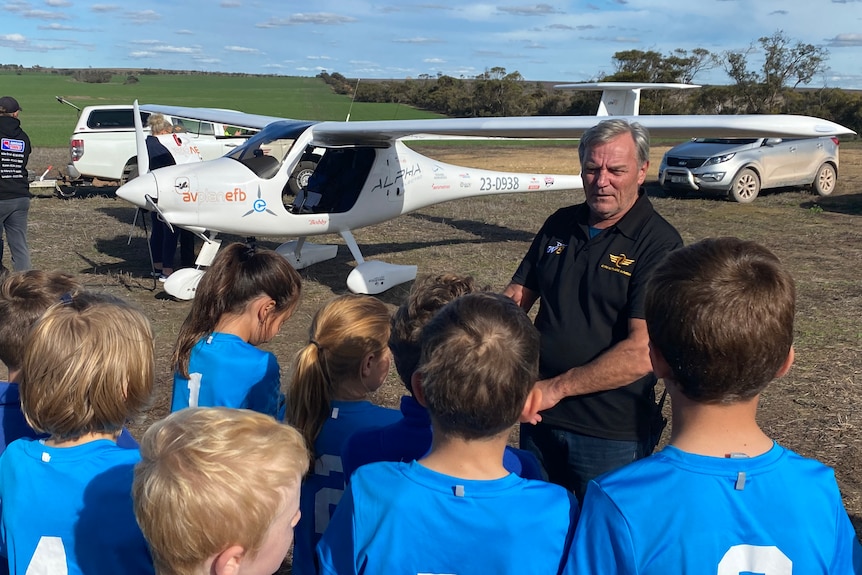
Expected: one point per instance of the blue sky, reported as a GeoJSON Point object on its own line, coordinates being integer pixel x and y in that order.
{"type": "Point", "coordinates": [566, 41]}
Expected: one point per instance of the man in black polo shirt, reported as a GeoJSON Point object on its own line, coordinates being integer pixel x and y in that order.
{"type": "Point", "coordinates": [588, 267]}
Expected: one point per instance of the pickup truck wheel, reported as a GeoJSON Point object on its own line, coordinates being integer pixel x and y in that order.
{"type": "Point", "coordinates": [130, 172]}
{"type": "Point", "coordinates": [299, 178]}
{"type": "Point", "coordinates": [746, 186]}
{"type": "Point", "coordinates": [824, 181]}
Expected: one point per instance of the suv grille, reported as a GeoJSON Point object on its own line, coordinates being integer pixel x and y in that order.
{"type": "Point", "coordinates": [689, 163]}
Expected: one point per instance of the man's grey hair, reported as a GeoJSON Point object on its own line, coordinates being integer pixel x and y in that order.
{"type": "Point", "coordinates": [607, 130]}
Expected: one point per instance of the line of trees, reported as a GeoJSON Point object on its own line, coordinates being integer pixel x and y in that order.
{"type": "Point", "coordinates": [775, 85]}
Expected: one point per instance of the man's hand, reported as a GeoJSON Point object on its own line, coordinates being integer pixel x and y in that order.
{"type": "Point", "coordinates": [552, 394]}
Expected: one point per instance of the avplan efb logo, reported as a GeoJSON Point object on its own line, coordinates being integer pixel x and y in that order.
{"type": "Point", "coordinates": [10, 145]}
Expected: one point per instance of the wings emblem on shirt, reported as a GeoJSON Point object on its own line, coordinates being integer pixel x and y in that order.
{"type": "Point", "coordinates": [621, 260]}
{"type": "Point", "coordinates": [556, 248]}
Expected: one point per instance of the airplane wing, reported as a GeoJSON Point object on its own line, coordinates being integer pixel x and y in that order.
{"type": "Point", "coordinates": [227, 117]}
{"type": "Point", "coordinates": [382, 133]}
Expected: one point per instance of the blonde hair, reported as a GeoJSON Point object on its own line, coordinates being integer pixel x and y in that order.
{"type": "Point", "coordinates": [158, 124]}
{"type": "Point", "coordinates": [87, 367]}
{"type": "Point", "coordinates": [342, 333]}
{"type": "Point", "coordinates": [210, 478]}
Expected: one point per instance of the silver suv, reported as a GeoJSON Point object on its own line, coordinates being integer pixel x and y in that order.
{"type": "Point", "coordinates": [741, 167]}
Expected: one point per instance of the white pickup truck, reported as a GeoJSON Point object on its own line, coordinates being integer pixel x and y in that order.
{"type": "Point", "coordinates": [102, 147]}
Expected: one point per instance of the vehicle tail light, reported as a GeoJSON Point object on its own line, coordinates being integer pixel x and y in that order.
{"type": "Point", "coordinates": [835, 139]}
{"type": "Point", "coordinates": [76, 147]}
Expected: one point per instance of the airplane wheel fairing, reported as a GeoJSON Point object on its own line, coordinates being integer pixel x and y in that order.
{"type": "Point", "coordinates": [182, 284]}
{"type": "Point", "coordinates": [299, 178]}
{"type": "Point", "coordinates": [746, 186]}
{"type": "Point", "coordinates": [376, 277]}
{"type": "Point", "coordinates": [825, 180]}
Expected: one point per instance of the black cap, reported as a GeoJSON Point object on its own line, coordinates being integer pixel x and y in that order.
{"type": "Point", "coordinates": [8, 105]}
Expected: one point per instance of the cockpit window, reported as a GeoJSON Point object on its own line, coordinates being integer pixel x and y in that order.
{"type": "Point", "coordinates": [265, 152]}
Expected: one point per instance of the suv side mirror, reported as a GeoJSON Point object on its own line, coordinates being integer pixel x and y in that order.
{"type": "Point", "coordinates": [772, 141]}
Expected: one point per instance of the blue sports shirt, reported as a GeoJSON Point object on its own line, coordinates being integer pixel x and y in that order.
{"type": "Point", "coordinates": [410, 438]}
{"type": "Point", "coordinates": [676, 512]}
{"type": "Point", "coordinates": [226, 371]}
{"type": "Point", "coordinates": [14, 426]}
{"type": "Point", "coordinates": [406, 518]}
{"type": "Point", "coordinates": [69, 509]}
{"type": "Point", "coordinates": [323, 487]}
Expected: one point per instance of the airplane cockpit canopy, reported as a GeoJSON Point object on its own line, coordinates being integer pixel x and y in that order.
{"type": "Point", "coordinates": [265, 152]}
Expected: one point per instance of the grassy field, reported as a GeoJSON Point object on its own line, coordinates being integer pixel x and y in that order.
{"type": "Point", "coordinates": [49, 123]}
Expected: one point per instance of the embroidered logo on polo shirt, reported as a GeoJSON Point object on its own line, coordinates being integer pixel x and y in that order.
{"type": "Point", "coordinates": [556, 249]}
{"type": "Point", "coordinates": [619, 262]}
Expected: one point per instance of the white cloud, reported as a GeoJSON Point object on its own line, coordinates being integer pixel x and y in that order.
{"type": "Point", "coordinates": [320, 18]}
{"type": "Point", "coordinates": [417, 40]}
{"type": "Point", "coordinates": [61, 27]}
{"type": "Point", "coordinates": [242, 49]}
{"type": "Point", "coordinates": [13, 38]}
{"type": "Point", "coordinates": [845, 40]}
{"type": "Point", "coordinates": [104, 7]}
{"type": "Point", "coordinates": [142, 16]}
{"type": "Point", "coordinates": [534, 10]}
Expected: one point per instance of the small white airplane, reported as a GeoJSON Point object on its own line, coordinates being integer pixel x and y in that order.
{"type": "Point", "coordinates": [365, 175]}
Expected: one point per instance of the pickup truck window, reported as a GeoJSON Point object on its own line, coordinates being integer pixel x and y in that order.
{"type": "Point", "coordinates": [114, 119]}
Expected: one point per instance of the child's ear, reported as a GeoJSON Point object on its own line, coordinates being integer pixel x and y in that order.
{"type": "Point", "coordinates": [788, 361]}
{"type": "Point", "coordinates": [660, 367]}
{"type": "Point", "coordinates": [366, 365]}
{"type": "Point", "coordinates": [265, 306]}
{"type": "Point", "coordinates": [418, 391]}
{"type": "Point", "coordinates": [228, 561]}
{"type": "Point", "coordinates": [532, 405]}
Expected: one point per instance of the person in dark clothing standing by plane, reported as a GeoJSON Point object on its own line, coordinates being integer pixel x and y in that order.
{"type": "Point", "coordinates": [14, 186]}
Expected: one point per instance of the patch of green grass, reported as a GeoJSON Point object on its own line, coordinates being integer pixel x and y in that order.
{"type": "Point", "coordinates": [50, 123]}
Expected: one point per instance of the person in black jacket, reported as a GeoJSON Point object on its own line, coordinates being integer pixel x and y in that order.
{"type": "Point", "coordinates": [14, 187]}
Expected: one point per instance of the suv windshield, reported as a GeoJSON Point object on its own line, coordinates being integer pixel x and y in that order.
{"type": "Point", "coordinates": [734, 141]}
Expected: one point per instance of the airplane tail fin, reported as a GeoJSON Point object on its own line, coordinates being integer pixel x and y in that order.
{"type": "Point", "coordinates": [622, 98]}
{"type": "Point", "coordinates": [140, 142]}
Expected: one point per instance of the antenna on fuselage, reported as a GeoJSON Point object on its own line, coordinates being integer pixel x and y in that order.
{"type": "Point", "coordinates": [355, 89]}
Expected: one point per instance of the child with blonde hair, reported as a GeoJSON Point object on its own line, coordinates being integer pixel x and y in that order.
{"type": "Point", "coordinates": [24, 297]}
{"type": "Point", "coordinates": [217, 491]}
{"type": "Point", "coordinates": [241, 302]}
{"type": "Point", "coordinates": [346, 359]}
{"type": "Point", "coordinates": [65, 501]}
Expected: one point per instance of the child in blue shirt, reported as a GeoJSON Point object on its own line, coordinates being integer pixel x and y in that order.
{"type": "Point", "coordinates": [410, 438]}
{"type": "Point", "coordinates": [722, 497]}
{"type": "Point", "coordinates": [241, 302]}
{"type": "Point", "coordinates": [458, 510]}
{"type": "Point", "coordinates": [345, 360]}
{"type": "Point", "coordinates": [24, 297]}
{"type": "Point", "coordinates": [65, 501]}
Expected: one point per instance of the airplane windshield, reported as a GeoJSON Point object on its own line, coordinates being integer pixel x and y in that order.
{"type": "Point", "coordinates": [265, 152]}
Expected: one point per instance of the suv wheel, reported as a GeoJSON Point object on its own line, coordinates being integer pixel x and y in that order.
{"type": "Point", "coordinates": [746, 186]}
{"type": "Point", "coordinates": [824, 181]}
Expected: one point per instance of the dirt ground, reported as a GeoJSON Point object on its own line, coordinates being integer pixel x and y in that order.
{"type": "Point", "coordinates": [812, 410]}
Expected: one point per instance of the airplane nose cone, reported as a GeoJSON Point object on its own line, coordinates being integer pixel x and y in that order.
{"type": "Point", "coordinates": [136, 191]}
